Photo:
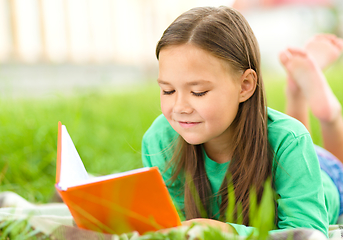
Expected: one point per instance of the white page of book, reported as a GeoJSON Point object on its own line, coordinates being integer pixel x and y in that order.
{"type": "Point", "coordinates": [110, 176]}
{"type": "Point", "coordinates": [72, 168]}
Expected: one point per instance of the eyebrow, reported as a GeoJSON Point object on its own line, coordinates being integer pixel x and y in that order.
{"type": "Point", "coordinates": [192, 83]}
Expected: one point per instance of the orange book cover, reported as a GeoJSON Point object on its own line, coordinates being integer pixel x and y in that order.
{"type": "Point", "coordinates": [136, 200]}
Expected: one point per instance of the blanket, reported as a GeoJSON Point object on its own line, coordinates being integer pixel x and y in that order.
{"type": "Point", "coordinates": [55, 221]}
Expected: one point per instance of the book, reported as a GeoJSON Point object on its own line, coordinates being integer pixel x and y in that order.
{"type": "Point", "coordinates": [136, 200]}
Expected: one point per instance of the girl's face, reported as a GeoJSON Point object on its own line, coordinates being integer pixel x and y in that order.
{"type": "Point", "coordinates": [199, 95]}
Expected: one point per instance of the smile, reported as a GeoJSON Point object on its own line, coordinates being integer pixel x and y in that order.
{"type": "Point", "coordinates": [188, 124]}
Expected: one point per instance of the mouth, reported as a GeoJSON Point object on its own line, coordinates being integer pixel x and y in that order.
{"type": "Point", "coordinates": [188, 124]}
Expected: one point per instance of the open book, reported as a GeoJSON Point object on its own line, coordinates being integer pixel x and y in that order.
{"type": "Point", "coordinates": [136, 200]}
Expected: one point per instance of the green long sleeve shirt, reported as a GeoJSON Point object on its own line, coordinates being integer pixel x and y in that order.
{"type": "Point", "coordinates": [307, 196]}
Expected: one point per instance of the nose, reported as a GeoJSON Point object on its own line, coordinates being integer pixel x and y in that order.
{"type": "Point", "coordinates": [182, 105]}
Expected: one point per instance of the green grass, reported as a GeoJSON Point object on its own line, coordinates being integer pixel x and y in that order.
{"type": "Point", "coordinates": [106, 129]}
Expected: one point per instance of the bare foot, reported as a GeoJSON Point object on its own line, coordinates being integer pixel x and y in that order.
{"type": "Point", "coordinates": [307, 75]}
{"type": "Point", "coordinates": [324, 49]}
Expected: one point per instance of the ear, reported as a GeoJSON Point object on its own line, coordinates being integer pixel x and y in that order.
{"type": "Point", "coordinates": [248, 83]}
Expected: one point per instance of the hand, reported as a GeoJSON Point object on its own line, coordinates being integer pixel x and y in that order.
{"type": "Point", "coordinates": [212, 223]}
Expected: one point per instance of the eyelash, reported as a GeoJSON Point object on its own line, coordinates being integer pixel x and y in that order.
{"type": "Point", "coordinates": [200, 94]}
{"type": "Point", "coordinates": [168, 92]}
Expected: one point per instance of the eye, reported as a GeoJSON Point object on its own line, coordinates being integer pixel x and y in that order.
{"type": "Point", "coordinates": [199, 94]}
{"type": "Point", "coordinates": [168, 92]}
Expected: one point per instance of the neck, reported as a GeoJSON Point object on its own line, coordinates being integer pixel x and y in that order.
{"type": "Point", "coordinates": [220, 152]}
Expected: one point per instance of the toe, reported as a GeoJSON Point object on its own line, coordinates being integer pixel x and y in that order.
{"type": "Point", "coordinates": [297, 52]}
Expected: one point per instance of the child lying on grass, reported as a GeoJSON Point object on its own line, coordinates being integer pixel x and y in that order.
{"type": "Point", "coordinates": [215, 124]}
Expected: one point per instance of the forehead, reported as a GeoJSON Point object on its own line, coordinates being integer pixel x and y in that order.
{"type": "Point", "coordinates": [190, 52]}
{"type": "Point", "coordinates": [190, 61]}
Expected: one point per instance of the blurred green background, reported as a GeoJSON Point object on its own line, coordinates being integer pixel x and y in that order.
{"type": "Point", "coordinates": [106, 129]}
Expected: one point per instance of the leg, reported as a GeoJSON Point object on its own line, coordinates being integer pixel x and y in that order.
{"type": "Point", "coordinates": [321, 100]}
{"type": "Point", "coordinates": [296, 105]}
{"type": "Point", "coordinates": [332, 133]}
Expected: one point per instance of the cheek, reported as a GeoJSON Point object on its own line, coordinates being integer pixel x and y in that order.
{"type": "Point", "coordinates": [212, 107]}
{"type": "Point", "coordinates": [208, 111]}
{"type": "Point", "coordinates": [165, 107]}
{"type": "Point", "coordinates": [219, 112]}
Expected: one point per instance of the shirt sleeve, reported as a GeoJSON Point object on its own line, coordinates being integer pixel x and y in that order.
{"type": "Point", "coordinates": [298, 183]}
{"type": "Point", "coordinates": [145, 154]}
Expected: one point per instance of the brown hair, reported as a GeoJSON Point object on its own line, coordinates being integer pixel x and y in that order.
{"type": "Point", "coordinates": [224, 33]}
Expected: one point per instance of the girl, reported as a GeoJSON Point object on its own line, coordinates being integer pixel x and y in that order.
{"type": "Point", "coordinates": [215, 123]}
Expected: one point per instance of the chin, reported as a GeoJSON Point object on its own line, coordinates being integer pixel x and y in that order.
{"type": "Point", "coordinates": [193, 141]}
